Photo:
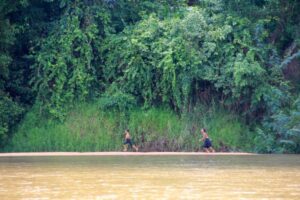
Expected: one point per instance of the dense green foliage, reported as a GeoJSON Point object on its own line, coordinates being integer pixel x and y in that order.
{"type": "Point", "coordinates": [134, 57]}
{"type": "Point", "coordinates": [10, 109]}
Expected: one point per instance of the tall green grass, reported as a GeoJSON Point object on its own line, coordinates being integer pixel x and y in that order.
{"type": "Point", "coordinates": [88, 128]}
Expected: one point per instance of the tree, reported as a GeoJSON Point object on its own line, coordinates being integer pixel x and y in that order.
{"type": "Point", "coordinates": [10, 109]}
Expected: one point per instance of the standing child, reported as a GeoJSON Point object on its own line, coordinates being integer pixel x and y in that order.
{"type": "Point", "coordinates": [207, 143]}
{"type": "Point", "coordinates": [128, 141]}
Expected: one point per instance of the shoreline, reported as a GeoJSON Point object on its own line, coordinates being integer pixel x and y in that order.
{"type": "Point", "coordinates": [115, 153]}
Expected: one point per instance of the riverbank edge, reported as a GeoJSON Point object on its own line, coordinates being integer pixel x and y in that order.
{"type": "Point", "coordinates": [21, 154]}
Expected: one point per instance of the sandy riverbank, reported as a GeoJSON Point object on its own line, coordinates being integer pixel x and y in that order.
{"type": "Point", "coordinates": [117, 153]}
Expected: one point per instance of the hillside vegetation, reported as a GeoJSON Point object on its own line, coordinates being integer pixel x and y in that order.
{"type": "Point", "coordinates": [75, 74]}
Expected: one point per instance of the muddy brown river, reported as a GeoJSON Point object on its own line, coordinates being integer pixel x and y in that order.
{"type": "Point", "coordinates": [151, 177]}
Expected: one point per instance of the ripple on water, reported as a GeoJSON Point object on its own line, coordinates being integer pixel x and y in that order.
{"type": "Point", "coordinates": [106, 196]}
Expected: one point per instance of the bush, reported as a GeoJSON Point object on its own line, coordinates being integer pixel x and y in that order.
{"type": "Point", "coordinates": [115, 99]}
{"type": "Point", "coordinates": [281, 131]}
{"type": "Point", "coordinates": [10, 115]}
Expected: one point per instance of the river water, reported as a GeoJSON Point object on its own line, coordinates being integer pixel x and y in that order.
{"type": "Point", "coordinates": [151, 177]}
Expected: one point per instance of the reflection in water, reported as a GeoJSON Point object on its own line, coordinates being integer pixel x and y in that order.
{"type": "Point", "coordinates": [151, 177]}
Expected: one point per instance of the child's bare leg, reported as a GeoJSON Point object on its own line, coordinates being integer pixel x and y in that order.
{"type": "Point", "coordinates": [135, 147]}
{"type": "Point", "coordinates": [211, 149]}
{"type": "Point", "coordinates": [125, 147]}
{"type": "Point", "coordinates": [206, 150]}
